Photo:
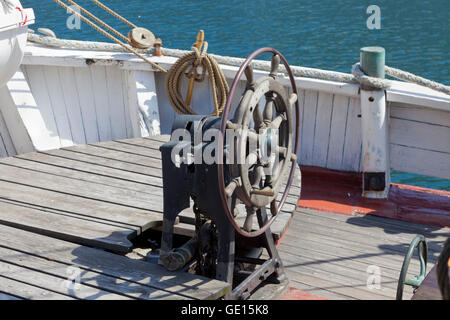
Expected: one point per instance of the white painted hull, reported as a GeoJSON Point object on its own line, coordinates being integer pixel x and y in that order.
{"type": "Point", "coordinates": [64, 97]}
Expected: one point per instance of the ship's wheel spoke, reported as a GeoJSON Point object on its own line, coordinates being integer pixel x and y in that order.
{"type": "Point", "coordinates": [249, 75]}
{"type": "Point", "coordinates": [273, 207]}
{"type": "Point", "coordinates": [259, 174]}
{"type": "Point", "coordinates": [293, 98]}
{"type": "Point", "coordinates": [258, 118]}
{"type": "Point", "coordinates": [231, 187]}
{"type": "Point", "coordinates": [274, 64]}
{"type": "Point", "coordinates": [275, 124]}
{"type": "Point", "coordinates": [268, 110]}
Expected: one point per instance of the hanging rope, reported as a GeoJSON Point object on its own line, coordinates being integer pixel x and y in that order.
{"type": "Point", "coordinates": [189, 64]}
{"type": "Point", "coordinates": [106, 34]}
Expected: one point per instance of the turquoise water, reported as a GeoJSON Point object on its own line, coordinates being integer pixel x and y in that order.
{"type": "Point", "coordinates": [321, 34]}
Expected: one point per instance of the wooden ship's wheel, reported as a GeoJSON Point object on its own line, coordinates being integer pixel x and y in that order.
{"type": "Point", "coordinates": [263, 147]}
{"type": "Point", "coordinates": [250, 172]}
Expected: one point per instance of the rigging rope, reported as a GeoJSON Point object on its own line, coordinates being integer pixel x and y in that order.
{"type": "Point", "coordinates": [102, 23]}
{"type": "Point", "coordinates": [378, 83]}
{"type": "Point", "coordinates": [106, 34]}
{"type": "Point", "coordinates": [357, 76]}
{"type": "Point", "coordinates": [115, 14]}
{"type": "Point", "coordinates": [194, 60]}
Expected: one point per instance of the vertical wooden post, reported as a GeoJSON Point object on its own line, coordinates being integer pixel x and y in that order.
{"type": "Point", "coordinates": [374, 127]}
{"type": "Point", "coordinates": [198, 45]}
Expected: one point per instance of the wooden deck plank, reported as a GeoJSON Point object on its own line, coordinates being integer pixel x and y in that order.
{"type": "Point", "coordinates": [145, 143]}
{"type": "Point", "coordinates": [348, 267]}
{"type": "Point", "coordinates": [332, 252]}
{"type": "Point", "coordinates": [117, 155]}
{"type": "Point", "coordinates": [349, 250]}
{"type": "Point", "coordinates": [110, 175]}
{"type": "Point", "coordinates": [347, 275]}
{"type": "Point", "coordinates": [85, 277]}
{"type": "Point", "coordinates": [90, 208]}
{"type": "Point", "coordinates": [384, 235]}
{"type": "Point", "coordinates": [383, 222]}
{"type": "Point", "coordinates": [66, 227]}
{"type": "Point", "coordinates": [55, 284]}
{"type": "Point", "coordinates": [329, 284]}
{"type": "Point", "coordinates": [324, 293]}
{"type": "Point", "coordinates": [130, 149]}
{"type": "Point", "coordinates": [83, 189]}
{"type": "Point", "coordinates": [143, 273]}
{"type": "Point", "coordinates": [29, 292]}
{"type": "Point", "coordinates": [345, 235]}
{"type": "Point", "coordinates": [154, 189]}
{"type": "Point", "coordinates": [160, 138]}
{"type": "Point", "coordinates": [98, 160]}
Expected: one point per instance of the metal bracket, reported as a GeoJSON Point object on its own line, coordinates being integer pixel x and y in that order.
{"type": "Point", "coordinates": [420, 243]}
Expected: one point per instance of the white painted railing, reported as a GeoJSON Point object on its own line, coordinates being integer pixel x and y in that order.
{"type": "Point", "coordinates": [67, 97]}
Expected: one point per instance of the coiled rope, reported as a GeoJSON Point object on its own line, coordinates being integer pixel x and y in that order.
{"type": "Point", "coordinates": [194, 60]}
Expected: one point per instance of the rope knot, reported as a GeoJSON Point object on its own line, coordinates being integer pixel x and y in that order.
{"type": "Point", "coordinates": [366, 81]}
{"type": "Point", "coordinates": [200, 55]}
{"type": "Point", "coordinates": [199, 61]}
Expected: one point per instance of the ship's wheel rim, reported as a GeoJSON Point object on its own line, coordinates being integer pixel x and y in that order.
{"type": "Point", "coordinates": [223, 126]}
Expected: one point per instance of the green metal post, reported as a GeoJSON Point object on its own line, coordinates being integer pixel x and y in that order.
{"type": "Point", "coordinates": [372, 61]}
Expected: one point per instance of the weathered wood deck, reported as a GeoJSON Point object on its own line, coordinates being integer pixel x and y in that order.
{"type": "Point", "coordinates": [58, 208]}
{"type": "Point", "coordinates": [329, 254]}
{"type": "Point", "coordinates": [35, 267]}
